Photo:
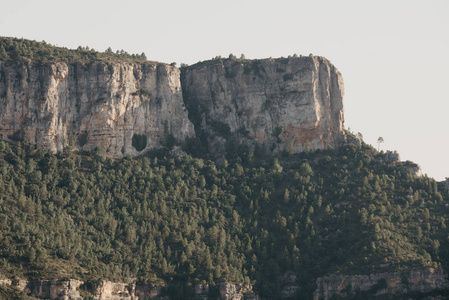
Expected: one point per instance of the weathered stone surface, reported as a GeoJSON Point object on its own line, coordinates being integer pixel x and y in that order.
{"type": "Point", "coordinates": [108, 290]}
{"type": "Point", "coordinates": [92, 105]}
{"type": "Point", "coordinates": [149, 291]}
{"type": "Point", "coordinates": [19, 283]}
{"type": "Point", "coordinates": [391, 157]}
{"type": "Point", "coordinates": [5, 282]}
{"type": "Point", "coordinates": [394, 283]}
{"type": "Point", "coordinates": [55, 289]}
{"type": "Point", "coordinates": [48, 289]}
{"type": "Point", "coordinates": [285, 104]}
{"type": "Point", "coordinates": [292, 104]}
{"type": "Point", "coordinates": [69, 289]}
{"type": "Point", "coordinates": [231, 291]}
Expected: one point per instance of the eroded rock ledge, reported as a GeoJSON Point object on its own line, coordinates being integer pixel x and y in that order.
{"type": "Point", "coordinates": [422, 281]}
{"type": "Point", "coordinates": [106, 290]}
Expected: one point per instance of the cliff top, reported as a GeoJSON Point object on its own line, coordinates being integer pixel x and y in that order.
{"type": "Point", "coordinates": [232, 58]}
{"type": "Point", "coordinates": [20, 50]}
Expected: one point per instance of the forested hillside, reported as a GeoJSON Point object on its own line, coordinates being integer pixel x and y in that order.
{"type": "Point", "coordinates": [182, 220]}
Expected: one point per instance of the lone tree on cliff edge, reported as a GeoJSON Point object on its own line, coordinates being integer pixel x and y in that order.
{"type": "Point", "coordinates": [379, 141]}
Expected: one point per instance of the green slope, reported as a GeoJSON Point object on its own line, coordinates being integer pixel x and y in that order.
{"type": "Point", "coordinates": [183, 220]}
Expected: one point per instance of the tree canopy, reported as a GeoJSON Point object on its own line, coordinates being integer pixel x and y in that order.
{"type": "Point", "coordinates": [184, 220]}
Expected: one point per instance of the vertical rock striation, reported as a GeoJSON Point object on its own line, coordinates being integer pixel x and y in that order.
{"type": "Point", "coordinates": [287, 104]}
{"type": "Point", "coordinates": [127, 108]}
{"type": "Point", "coordinates": [99, 104]}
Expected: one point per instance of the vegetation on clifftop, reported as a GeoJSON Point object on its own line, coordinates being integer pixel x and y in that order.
{"type": "Point", "coordinates": [13, 50]}
{"type": "Point", "coordinates": [184, 220]}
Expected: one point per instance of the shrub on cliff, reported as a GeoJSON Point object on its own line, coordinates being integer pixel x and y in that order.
{"type": "Point", "coordinates": [139, 141]}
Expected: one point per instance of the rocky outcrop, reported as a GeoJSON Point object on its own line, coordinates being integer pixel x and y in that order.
{"type": "Point", "coordinates": [48, 289]}
{"type": "Point", "coordinates": [149, 291]}
{"type": "Point", "coordinates": [285, 104]}
{"type": "Point", "coordinates": [70, 289]}
{"type": "Point", "coordinates": [55, 289]}
{"type": "Point", "coordinates": [396, 283]}
{"type": "Point", "coordinates": [107, 290]}
{"type": "Point", "coordinates": [99, 104]}
{"type": "Point", "coordinates": [231, 291]}
{"type": "Point", "coordinates": [226, 291]}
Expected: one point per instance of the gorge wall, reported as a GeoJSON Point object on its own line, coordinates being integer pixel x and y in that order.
{"type": "Point", "coordinates": [128, 108]}
{"type": "Point", "coordinates": [92, 105]}
{"type": "Point", "coordinates": [285, 104]}
{"type": "Point", "coordinates": [70, 289]}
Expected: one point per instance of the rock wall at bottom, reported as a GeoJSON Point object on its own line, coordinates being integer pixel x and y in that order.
{"type": "Point", "coordinates": [71, 289]}
{"type": "Point", "coordinates": [395, 283]}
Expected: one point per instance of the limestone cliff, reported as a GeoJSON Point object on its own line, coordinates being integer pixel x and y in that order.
{"type": "Point", "coordinates": [106, 290]}
{"type": "Point", "coordinates": [421, 281]}
{"type": "Point", "coordinates": [287, 104]}
{"type": "Point", "coordinates": [127, 108]}
{"type": "Point", "coordinates": [88, 105]}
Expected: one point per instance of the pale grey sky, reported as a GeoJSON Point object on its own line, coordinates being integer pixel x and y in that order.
{"type": "Point", "coordinates": [392, 54]}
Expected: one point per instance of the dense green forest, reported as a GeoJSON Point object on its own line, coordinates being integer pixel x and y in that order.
{"type": "Point", "coordinates": [15, 50]}
{"type": "Point", "coordinates": [243, 218]}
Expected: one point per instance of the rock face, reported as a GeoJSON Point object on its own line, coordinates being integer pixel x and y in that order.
{"type": "Point", "coordinates": [92, 105]}
{"type": "Point", "coordinates": [226, 291]}
{"type": "Point", "coordinates": [395, 283]}
{"type": "Point", "coordinates": [48, 289]}
{"type": "Point", "coordinates": [128, 108]}
{"type": "Point", "coordinates": [107, 290]}
{"type": "Point", "coordinates": [231, 291]}
{"type": "Point", "coordinates": [286, 104]}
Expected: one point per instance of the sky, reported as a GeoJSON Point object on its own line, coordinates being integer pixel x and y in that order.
{"type": "Point", "coordinates": [393, 54]}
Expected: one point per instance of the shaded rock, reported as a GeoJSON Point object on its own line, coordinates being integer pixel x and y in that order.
{"type": "Point", "coordinates": [108, 290]}
{"type": "Point", "coordinates": [232, 291]}
{"type": "Point", "coordinates": [394, 283]}
{"type": "Point", "coordinates": [48, 289]}
{"type": "Point", "coordinates": [289, 104]}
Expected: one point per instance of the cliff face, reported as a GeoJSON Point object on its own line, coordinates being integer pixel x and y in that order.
{"type": "Point", "coordinates": [107, 290]}
{"type": "Point", "coordinates": [92, 105]}
{"type": "Point", "coordinates": [396, 283]}
{"type": "Point", "coordinates": [49, 289]}
{"type": "Point", "coordinates": [286, 104]}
